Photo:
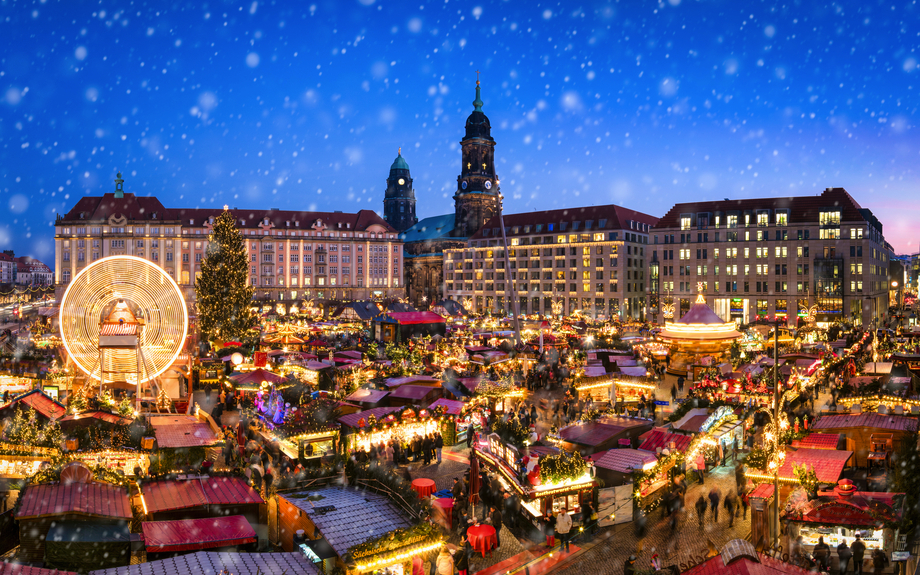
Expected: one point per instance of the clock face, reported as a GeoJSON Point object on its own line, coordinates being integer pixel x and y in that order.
{"type": "Point", "coordinates": [402, 182]}
{"type": "Point", "coordinates": [463, 184]}
{"type": "Point", "coordinates": [488, 184]}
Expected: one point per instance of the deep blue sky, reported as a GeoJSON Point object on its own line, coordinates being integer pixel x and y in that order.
{"type": "Point", "coordinates": [298, 105]}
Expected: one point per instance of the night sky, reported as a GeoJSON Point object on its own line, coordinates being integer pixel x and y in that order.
{"type": "Point", "coordinates": [303, 106]}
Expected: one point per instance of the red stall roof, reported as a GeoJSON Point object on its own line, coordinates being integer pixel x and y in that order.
{"type": "Point", "coordinates": [37, 400]}
{"type": "Point", "coordinates": [97, 499]}
{"type": "Point", "coordinates": [873, 420]}
{"type": "Point", "coordinates": [413, 392]}
{"type": "Point", "coordinates": [820, 440]}
{"type": "Point", "coordinates": [597, 432]}
{"type": "Point", "coordinates": [194, 534]}
{"type": "Point", "coordinates": [367, 395]}
{"type": "Point", "coordinates": [827, 463]}
{"type": "Point", "coordinates": [352, 419]}
{"type": "Point", "coordinates": [451, 406]}
{"type": "Point", "coordinates": [99, 415]}
{"type": "Point", "coordinates": [181, 494]}
{"type": "Point", "coordinates": [694, 423]}
{"type": "Point", "coordinates": [415, 317]}
{"type": "Point", "coordinates": [624, 460]}
{"type": "Point", "coordinates": [662, 438]}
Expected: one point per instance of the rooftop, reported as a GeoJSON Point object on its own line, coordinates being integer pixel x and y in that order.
{"type": "Point", "coordinates": [601, 218]}
{"type": "Point", "coordinates": [95, 499]}
{"type": "Point", "coordinates": [356, 517]}
{"type": "Point", "coordinates": [873, 420]}
{"type": "Point", "coordinates": [212, 563]}
{"type": "Point", "coordinates": [180, 494]}
{"type": "Point", "coordinates": [433, 228]}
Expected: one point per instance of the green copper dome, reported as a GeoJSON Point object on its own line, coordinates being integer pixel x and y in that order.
{"type": "Point", "coordinates": [399, 163]}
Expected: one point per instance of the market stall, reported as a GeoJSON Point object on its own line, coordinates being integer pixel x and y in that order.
{"type": "Point", "coordinates": [382, 424]}
{"type": "Point", "coordinates": [545, 481]}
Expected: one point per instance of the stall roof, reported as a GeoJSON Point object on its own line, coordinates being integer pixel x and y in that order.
{"type": "Point", "coordinates": [858, 509]}
{"type": "Point", "coordinates": [874, 420]}
{"type": "Point", "coordinates": [878, 367]}
{"type": "Point", "coordinates": [820, 440]}
{"type": "Point", "coordinates": [452, 407]}
{"type": "Point", "coordinates": [212, 563]}
{"type": "Point", "coordinates": [660, 437]}
{"type": "Point", "coordinates": [693, 424]}
{"type": "Point", "coordinates": [96, 499]}
{"type": "Point", "coordinates": [827, 463]}
{"type": "Point", "coordinates": [367, 395]}
{"type": "Point", "coordinates": [597, 432]}
{"type": "Point", "coordinates": [352, 419]}
{"type": "Point", "coordinates": [97, 415]}
{"type": "Point", "coordinates": [407, 379]}
{"type": "Point", "coordinates": [20, 569]}
{"type": "Point", "coordinates": [624, 460]}
{"type": "Point", "coordinates": [739, 557]}
{"type": "Point", "coordinates": [183, 493]}
{"type": "Point", "coordinates": [182, 431]}
{"type": "Point", "coordinates": [194, 534]}
{"type": "Point", "coordinates": [37, 400]}
{"type": "Point", "coordinates": [411, 317]}
{"type": "Point", "coordinates": [414, 392]}
{"type": "Point", "coordinates": [354, 517]}
{"type": "Point", "coordinates": [256, 377]}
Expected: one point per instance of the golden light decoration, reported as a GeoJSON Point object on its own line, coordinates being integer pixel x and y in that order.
{"type": "Point", "coordinates": [151, 294]}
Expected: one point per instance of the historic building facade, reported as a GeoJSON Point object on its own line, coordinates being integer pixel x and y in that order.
{"type": "Point", "coordinates": [399, 198]}
{"type": "Point", "coordinates": [593, 259]}
{"type": "Point", "coordinates": [476, 201]}
{"type": "Point", "coordinates": [294, 255]}
{"type": "Point", "coordinates": [773, 258]}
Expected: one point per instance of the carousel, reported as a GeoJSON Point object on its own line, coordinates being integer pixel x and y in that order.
{"type": "Point", "coordinates": [700, 333]}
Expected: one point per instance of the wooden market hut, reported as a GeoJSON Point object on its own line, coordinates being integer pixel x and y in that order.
{"type": "Point", "coordinates": [859, 428]}
{"type": "Point", "coordinates": [43, 506]}
{"type": "Point", "coordinates": [740, 557]}
{"type": "Point", "coordinates": [211, 562]}
{"type": "Point", "coordinates": [170, 538]}
{"type": "Point", "coordinates": [368, 398]}
{"type": "Point", "coordinates": [603, 434]}
{"type": "Point", "coordinates": [403, 326]}
{"type": "Point", "coordinates": [421, 395]}
{"type": "Point", "coordinates": [47, 408]}
{"type": "Point", "coordinates": [202, 497]}
{"type": "Point", "coordinates": [616, 466]}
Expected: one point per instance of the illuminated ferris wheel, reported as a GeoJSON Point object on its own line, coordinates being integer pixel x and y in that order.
{"type": "Point", "coordinates": [123, 321]}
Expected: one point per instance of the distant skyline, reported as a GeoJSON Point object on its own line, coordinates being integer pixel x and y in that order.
{"type": "Point", "coordinates": [303, 106]}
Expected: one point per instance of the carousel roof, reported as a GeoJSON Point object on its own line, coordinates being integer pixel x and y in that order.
{"type": "Point", "coordinates": [700, 323]}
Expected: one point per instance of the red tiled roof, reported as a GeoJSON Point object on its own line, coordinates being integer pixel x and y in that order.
{"type": "Point", "coordinates": [98, 415]}
{"type": "Point", "coordinates": [411, 391]}
{"type": "Point", "coordinates": [827, 463]}
{"type": "Point", "coordinates": [185, 435]}
{"type": "Point", "coordinates": [802, 209]}
{"type": "Point", "coordinates": [99, 208]}
{"type": "Point", "coordinates": [37, 400]}
{"type": "Point", "coordinates": [97, 499]}
{"type": "Point", "coordinates": [19, 569]}
{"type": "Point", "coordinates": [694, 423]}
{"type": "Point", "coordinates": [367, 395]}
{"type": "Point", "coordinates": [596, 432]}
{"type": "Point", "coordinates": [451, 406]}
{"type": "Point", "coordinates": [352, 419]}
{"type": "Point", "coordinates": [194, 534]}
{"type": "Point", "coordinates": [624, 460]}
{"type": "Point", "coordinates": [763, 491]}
{"type": "Point", "coordinates": [617, 219]}
{"type": "Point", "coordinates": [181, 494]}
{"type": "Point", "coordinates": [859, 509]}
{"type": "Point", "coordinates": [414, 317]}
{"type": "Point", "coordinates": [662, 438]}
{"type": "Point", "coordinates": [360, 220]}
{"type": "Point", "coordinates": [745, 566]}
{"type": "Point", "coordinates": [820, 440]}
{"type": "Point", "coordinates": [874, 420]}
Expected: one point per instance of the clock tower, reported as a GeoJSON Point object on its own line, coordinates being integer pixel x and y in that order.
{"type": "Point", "coordinates": [477, 197]}
{"type": "Point", "coordinates": [399, 199]}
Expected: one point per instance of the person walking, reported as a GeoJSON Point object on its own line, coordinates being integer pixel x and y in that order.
{"type": "Point", "coordinates": [745, 502]}
{"type": "Point", "coordinates": [714, 496]}
{"type": "Point", "coordinates": [858, 549]}
{"type": "Point", "coordinates": [822, 553]}
{"type": "Point", "coordinates": [496, 517]}
{"type": "Point", "coordinates": [563, 526]}
{"type": "Point", "coordinates": [463, 559]}
{"type": "Point", "coordinates": [879, 561]}
{"type": "Point", "coordinates": [445, 562]}
{"type": "Point", "coordinates": [469, 435]}
{"type": "Point", "coordinates": [729, 504]}
{"type": "Point", "coordinates": [701, 509]}
{"type": "Point", "coordinates": [438, 446]}
{"type": "Point", "coordinates": [843, 557]}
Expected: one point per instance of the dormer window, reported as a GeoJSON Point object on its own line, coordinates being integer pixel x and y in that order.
{"type": "Point", "coordinates": [211, 220]}
{"type": "Point", "coordinates": [287, 223]}
{"type": "Point", "coordinates": [588, 224]}
{"type": "Point", "coordinates": [602, 223]}
{"type": "Point", "coordinates": [296, 224]}
{"type": "Point", "coordinates": [348, 226]}
{"type": "Point", "coordinates": [265, 221]}
{"type": "Point", "coordinates": [575, 225]}
{"type": "Point", "coordinates": [191, 222]}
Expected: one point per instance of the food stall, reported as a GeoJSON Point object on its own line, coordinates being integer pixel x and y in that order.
{"type": "Point", "coordinates": [838, 515]}
{"type": "Point", "coordinates": [453, 428]}
{"type": "Point", "coordinates": [381, 424]}
{"type": "Point", "coordinates": [545, 480]}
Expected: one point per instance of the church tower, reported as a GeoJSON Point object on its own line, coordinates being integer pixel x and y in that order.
{"type": "Point", "coordinates": [399, 200]}
{"type": "Point", "coordinates": [477, 198]}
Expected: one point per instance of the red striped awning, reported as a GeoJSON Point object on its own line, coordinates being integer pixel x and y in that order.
{"type": "Point", "coordinates": [195, 534]}
{"type": "Point", "coordinates": [118, 329]}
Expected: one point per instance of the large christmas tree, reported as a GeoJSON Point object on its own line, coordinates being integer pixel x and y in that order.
{"type": "Point", "coordinates": [223, 292]}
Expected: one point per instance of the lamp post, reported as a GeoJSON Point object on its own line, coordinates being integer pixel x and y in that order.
{"type": "Point", "coordinates": [778, 423]}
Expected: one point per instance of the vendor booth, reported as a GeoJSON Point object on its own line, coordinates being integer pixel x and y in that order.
{"type": "Point", "coordinates": [537, 476]}
{"type": "Point", "coordinates": [602, 434]}
{"type": "Point", "coordinates": [382, 424]}
{"type": "Point", "coordinates": [860, 427]}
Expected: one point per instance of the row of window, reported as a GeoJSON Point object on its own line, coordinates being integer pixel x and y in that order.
{"type": "Point", "coordinates": [549, 287]}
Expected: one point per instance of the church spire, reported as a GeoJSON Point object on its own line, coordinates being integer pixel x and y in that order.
{"type": "Point", "coordinates": [477, 103]}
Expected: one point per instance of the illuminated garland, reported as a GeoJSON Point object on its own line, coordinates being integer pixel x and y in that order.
{"type": "Point", "coordinates": [395, 540]}
{"type": "Point", "coordinates": [555, 469]}
{"type": "Point", "coordinates": [406, 414]}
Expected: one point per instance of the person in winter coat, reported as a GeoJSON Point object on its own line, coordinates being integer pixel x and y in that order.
{"type": "Point", "coordinates": [701, 509]}
{"type": "Point", "coordinates": [714, 496]}
{"type": "Point", "coordinates": [879, 561]}
{"type": "Point", "coordinates": [629, 568]}
{"type": "Point", "coordinates": [729, 504]}
{"type": "Point", "coordinates": [463, 557]}
{"type": "Point", "coordinates": [843, 556]}
{"type": "Point", "coordinates": [859, 550]}
{"type": "Point", "coordinates": [445, 562]}
{"type": "Point", "coordinates": [438, 446]}
{"type": "Point", "coordinates": [549, 530]}
{"type": "Point", "coordinates": [496, 517]}
{"type": "Point", "coordinates": [563, 526]}
{"type": "Point", "coordinates": [822, 553]}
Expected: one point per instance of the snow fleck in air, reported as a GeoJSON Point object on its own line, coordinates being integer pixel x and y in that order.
{"type": "Point", "coordinates": [18, 204]}
{"type": "Point", "coordinates": [668, 87]}
{"type": "Point", "coordinates": [415, 25]}
{"type": "Point", "coordinates": [910, 64]}
{"type": "Point", "coordinates": [547, 14]}
{"type": "Point", "coordinates": [571, 101]}
{"type": "Point", "coordinates": [769, 31]}
{"type": "Point", "coordinates": [80, 53]}
{"type": "Point", "coordinates": [477, 12]}
{"type": "Point", "coordinates": [252, 59]}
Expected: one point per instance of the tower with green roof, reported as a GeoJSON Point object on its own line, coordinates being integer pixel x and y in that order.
{"type": "Point", "coordinates": [399, 199]}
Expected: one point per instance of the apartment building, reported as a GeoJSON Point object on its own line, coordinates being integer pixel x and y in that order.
{"type": "Point", "coordinates": [294, 254]}
{"type": "Point", "coordinates": [31, 272]}
{"type": "Point", "coordinates": [593, 259]}
{"type": "Point", "coordinates": [9, 266]}
{"type": "Point", "coordinates": [773, 258]}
